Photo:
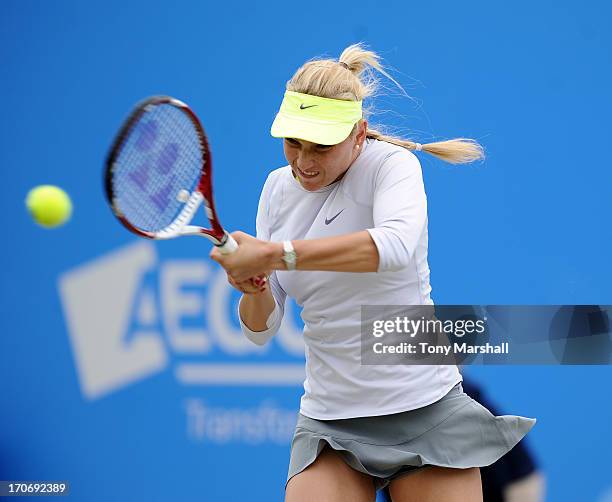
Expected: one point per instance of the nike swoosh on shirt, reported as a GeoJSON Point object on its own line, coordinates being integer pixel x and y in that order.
{"type": "Point", "coordinates": [302, 107]}
{"type": "Point", "coordinates": [328, 221]}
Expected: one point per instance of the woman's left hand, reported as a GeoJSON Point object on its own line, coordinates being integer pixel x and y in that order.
{"type": "Point", "coordinates": [249, 260]}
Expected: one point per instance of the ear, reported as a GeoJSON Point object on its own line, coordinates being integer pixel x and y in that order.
{"type": "Point", "coordinates": [362, 129]}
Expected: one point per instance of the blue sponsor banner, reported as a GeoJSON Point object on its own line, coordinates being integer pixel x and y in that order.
{"type": "Point", "coordinates": [131, 315]}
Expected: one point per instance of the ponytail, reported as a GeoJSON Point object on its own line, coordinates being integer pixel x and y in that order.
{"type": "Point", "coordinates": [353, 78]}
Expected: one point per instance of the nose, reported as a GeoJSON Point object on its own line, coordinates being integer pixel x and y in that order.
{"type": "Point", "coordinates": [306, 162]}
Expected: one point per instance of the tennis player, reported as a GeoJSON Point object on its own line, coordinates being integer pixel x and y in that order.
{"type": "Point", "coordinates": [345, 225]}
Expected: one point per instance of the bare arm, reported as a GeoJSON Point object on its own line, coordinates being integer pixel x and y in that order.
{"type": "Point", "coordinates": [355, 252]}
{"type": "Point", "coordinates": [255, 309]}
{"type": "Point", "coordinates": [256, 304]}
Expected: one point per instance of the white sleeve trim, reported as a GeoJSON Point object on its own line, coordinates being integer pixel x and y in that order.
{"type": "Point", "coordinates": [393, 253]}
{"type": "Point", "coordinates": [273, 323]}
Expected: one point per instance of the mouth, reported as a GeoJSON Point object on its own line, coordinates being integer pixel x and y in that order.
{"type": "Point", "coordinates": [307, 174]}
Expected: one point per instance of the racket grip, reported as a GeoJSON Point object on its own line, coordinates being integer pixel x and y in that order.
{"type": "Point", "coordinates": [230, 245]}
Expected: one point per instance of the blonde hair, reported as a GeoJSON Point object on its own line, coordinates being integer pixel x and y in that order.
{"type": "Point", "coordinates": [352, 78]}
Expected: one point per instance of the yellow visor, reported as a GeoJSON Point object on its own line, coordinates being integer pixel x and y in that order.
{"type": "Point", "coordinates": [319, 120]}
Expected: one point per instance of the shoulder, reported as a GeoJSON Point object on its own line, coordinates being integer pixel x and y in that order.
{"type": "Point", "coordinates": [384, 163]}
{"type": "Point", "coordinates": [380, 153]}
{"type": "Point", "coordinates": [275, 176]}
{"type": "Point", "coordinates": [275, 180]}
{"type": "Point", "coordinates": [275, 191]}
{"type": "Point", "coordinates": [393, 157]}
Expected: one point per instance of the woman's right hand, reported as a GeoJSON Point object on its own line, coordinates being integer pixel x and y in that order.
{"type": "Point", "coordinates": [252, 286]}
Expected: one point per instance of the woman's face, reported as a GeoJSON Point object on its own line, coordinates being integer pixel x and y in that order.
{"type": "Point", "coordinates": [317, 166]}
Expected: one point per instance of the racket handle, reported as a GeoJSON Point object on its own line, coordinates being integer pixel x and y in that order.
{"type": "Point", "coordinates": [230, 245]}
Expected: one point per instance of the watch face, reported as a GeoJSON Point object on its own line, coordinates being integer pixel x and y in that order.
{"type": "Point", "coordinates": [289, 255]}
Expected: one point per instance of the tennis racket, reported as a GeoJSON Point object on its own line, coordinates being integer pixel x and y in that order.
{"type": "Point", "coordinates": [159, 171]}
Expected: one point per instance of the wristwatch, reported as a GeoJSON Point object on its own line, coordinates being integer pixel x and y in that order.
{"type": "Point", "coordinates": [289, 256]}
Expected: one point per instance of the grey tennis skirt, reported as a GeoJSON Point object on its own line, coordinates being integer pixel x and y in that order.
{"type": "Point", "coordinates": [455, 431]}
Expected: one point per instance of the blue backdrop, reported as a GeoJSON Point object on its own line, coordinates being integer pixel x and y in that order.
{"type": "Point", "coordinates": [108, 341]}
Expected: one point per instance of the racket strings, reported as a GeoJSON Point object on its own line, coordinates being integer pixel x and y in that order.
{"type": "Point", "coordinates": [158, 167]}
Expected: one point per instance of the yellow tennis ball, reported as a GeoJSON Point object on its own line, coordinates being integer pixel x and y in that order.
{"type": "Point", "coordinates": [49, 205]}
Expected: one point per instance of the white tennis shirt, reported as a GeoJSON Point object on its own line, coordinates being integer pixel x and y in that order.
{"type": "Point", "coordinates": [383, 193]}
